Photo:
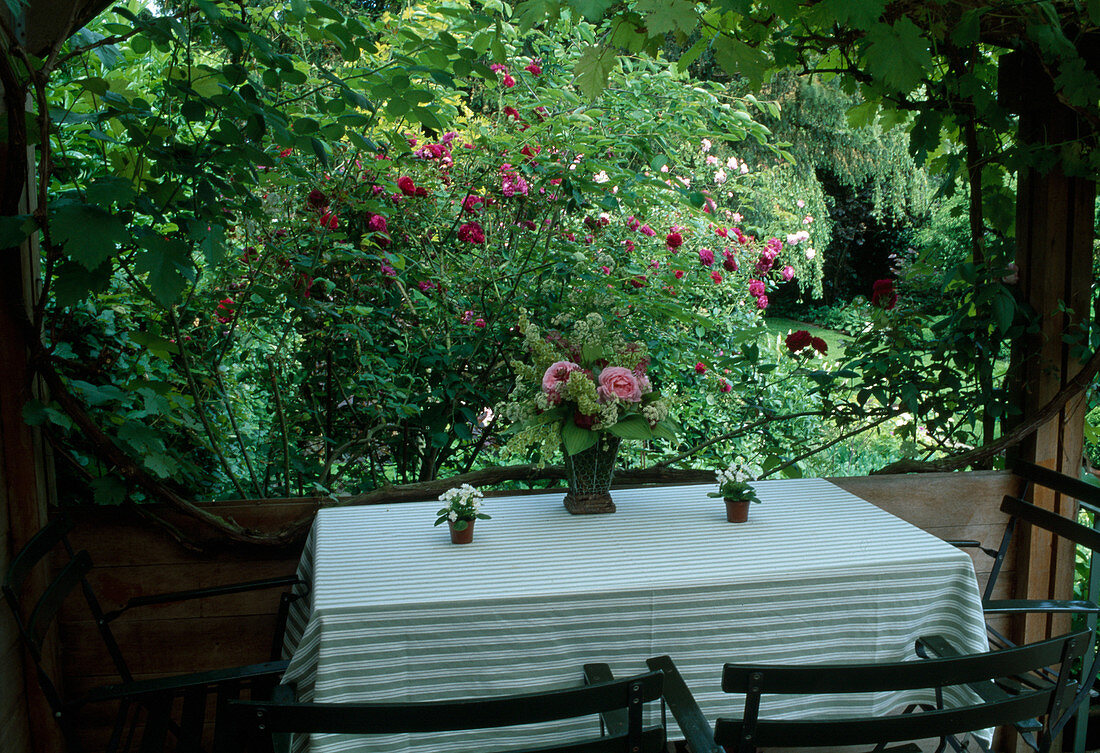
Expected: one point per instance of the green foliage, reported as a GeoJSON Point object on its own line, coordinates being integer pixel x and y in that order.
{"type": "Point", "coordinates": [286, 248]}
{"type": "Point", "coordinates": [285, 291]}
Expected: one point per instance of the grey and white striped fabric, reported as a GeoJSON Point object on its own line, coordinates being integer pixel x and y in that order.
{"type": "Point", "coordinates": [397, 612]}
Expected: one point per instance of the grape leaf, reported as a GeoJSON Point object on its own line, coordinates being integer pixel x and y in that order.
{"type": "Point", "coordinates": [15, 229]}
{"type": "Point", "coordinates": [593, 68]}
{"type": "Point", "coordinates": [855, 14]}
{"type": "Point", "coordinates": [592, 10]}
{"type": "Point", "coordinates": [91, 235]}
{"type": "Point", "coordinates": [167, 261]}
{"type": "Point", "coordinates": [668, 16]}
{"type": "Point", "coordinates": [108, 490]}
{"type": "Point", "coordinates": [898, 54]}
{"type": "Point", "coordinates": [737, 57]}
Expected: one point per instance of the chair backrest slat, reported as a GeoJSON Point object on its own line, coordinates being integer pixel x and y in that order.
{"type": "Point", "coordinates": [1052, 522]}
{"type": "Point", "coordinates": [70, 577]}
{"type": "Point", "coordinates": [1036, 696]}
{"type": "Point", "coordinates": [884, 729]}
{"type": "Point", "coordinates": [1059, 482]}
{"type": "Point", "coordinates": [255, 718]}
{"type": "Point", "coordinates": [39, 545]}
{"type": "Point", "coordinates": [870, 678]}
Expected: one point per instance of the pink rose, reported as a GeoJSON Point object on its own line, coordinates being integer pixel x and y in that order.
{"type": "Point", "coordinates": [558, 374]}
{"type": "Point", "coordinates": [377, 224]}
{"type": "Point", "coordinates": [756, 288]}
{"type": "Point", "coordinates": [615, 381]}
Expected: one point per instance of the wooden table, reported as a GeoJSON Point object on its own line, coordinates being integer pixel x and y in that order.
{"type": "Point", "coordinates": [816, 574]}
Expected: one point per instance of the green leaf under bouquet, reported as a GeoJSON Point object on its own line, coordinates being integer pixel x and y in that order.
{"type": "Point", "coordinates": [579, 384]}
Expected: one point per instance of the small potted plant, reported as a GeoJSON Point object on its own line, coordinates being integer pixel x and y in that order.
{"type": "Point", "coordinates": [735, 487]}
{"type": "Point", "coordinates": [463, 507]}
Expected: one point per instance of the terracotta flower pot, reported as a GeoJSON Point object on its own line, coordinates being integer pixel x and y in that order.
{"type": "Point", "coordinates": [737, 510]}
{"type": "Point", "coordinates": [465, 536]}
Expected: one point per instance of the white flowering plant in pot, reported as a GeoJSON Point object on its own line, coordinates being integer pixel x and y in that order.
{"type": "Point", "coordinates": [735, 482]}
{"type": "Point", "coordinates": [463, 506]}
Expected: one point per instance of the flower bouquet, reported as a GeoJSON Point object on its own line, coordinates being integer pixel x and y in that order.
{"type": "Point", "coordinates": [463, 507]}
{"type": "Point", "coordinates": [585, 391]}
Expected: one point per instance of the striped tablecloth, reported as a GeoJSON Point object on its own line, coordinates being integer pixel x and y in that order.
{"type": "Point", "coordinates": [398, 612]}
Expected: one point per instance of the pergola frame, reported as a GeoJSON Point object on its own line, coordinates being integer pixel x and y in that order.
{"type": "Point", "coordinates": [1054, 231]}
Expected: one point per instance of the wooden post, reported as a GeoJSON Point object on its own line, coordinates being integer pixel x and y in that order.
{"type": "Point", "coordinates": [23, 457]}
{"type": "Point", "coordinates": [1054, 235]}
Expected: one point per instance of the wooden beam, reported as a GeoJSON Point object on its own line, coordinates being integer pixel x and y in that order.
{"type": "Point", "coordinates": [26, 483]}
{"type": "Point", "coordinates": [1054, 234]}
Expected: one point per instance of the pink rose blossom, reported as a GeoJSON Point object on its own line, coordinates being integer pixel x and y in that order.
{"type": "Point", "coordinates": [762, 302]}
{"type": "Point", "coordinates": [377, 224]}
{"type": "Point", "coordinates": [533, 68]}
{"type": "Point", "coordinates": [788, 273]}
{"type": "Point", "coordinates": [756, 288]}
{"type": "Point", "coordinates": [508, 80]}
{"type": "Point", "coordinates": [471, 232]}
{"type": "Point", "coordinates": [706, 256]}
{"type": "Point", "coordinates": [512, 184]}
{"type": "Point", "coordinates": [716, 276]}
{"type": "Point", "coordinates": [557, 375]}
{"type": "Point", "coordinates": [470, 203]}
{"type": "Point", "coordinates": [700, 368]}
{"type": "Point", "coordinates": [617, 382]}
{"type": "Point", "coordinates": [647, 230]}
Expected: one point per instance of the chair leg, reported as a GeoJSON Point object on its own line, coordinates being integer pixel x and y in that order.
{"type": "Point", "coordinates": [191, 721]}
{"type": "Point", "coordinates": [158, 711]}
{"type": "Point", "coordinates": [114, 743]}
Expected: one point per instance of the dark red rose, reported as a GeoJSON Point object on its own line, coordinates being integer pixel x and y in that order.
{"type": "Point", "coordinates": [405, 183]}
{"type": "Point", "coordinates": [883, 294]}
{"type": "Point", "coordinates": [317, 200]}
{"type": "Point", "coordinates": [584, 420]}
{"type": "Point", "coordinates": [799, 341]}
{"type": "Point", "coordinates": [820, 345]}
